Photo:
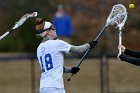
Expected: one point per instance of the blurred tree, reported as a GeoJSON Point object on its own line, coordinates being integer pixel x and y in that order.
{"type": "Point", "coordinates": [88, 17]}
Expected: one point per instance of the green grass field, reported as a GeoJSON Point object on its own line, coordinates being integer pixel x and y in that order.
{"type": "Point", "coordinates": [15, 77]}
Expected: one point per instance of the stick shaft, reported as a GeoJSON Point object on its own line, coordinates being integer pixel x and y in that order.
{"type": "Point", "coordinates": [5, 34]}
{"type": "Point", "coordinates": [101, 32]}
{"type": "Point", "coordinates": [120, 41]}
{"type": "Point", "coordinates": [87, 51]}
{"type": "Point", "coordinates": [96, 39]}
{"type": "Point", "coordinates": [19, 23]}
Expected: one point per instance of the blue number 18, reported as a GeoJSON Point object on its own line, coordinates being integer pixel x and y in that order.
{"type": "Point", "coordinates": [48, 62]}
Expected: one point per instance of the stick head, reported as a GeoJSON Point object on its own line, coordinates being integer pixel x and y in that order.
{"type": "Point", "coordinates": [24, 18]}
{"type": "Point", "coordinates": [34, 14]}
{"type": "Point", "coordinates": [117, 16]}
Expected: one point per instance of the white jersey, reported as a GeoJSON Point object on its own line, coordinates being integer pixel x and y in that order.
{"type": "Point", "coordinates": [51, 59]}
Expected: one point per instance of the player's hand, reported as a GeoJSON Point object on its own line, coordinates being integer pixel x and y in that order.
{"type": "Point", "coordinates": [74, 70]}
{"type": "Point", "coordinates": [122, 47]}
{"type": "Point", "coordinates": [93, 43]}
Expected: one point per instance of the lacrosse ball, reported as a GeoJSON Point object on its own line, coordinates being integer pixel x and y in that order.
{"type": "Point", "coordinates": [131, 6]}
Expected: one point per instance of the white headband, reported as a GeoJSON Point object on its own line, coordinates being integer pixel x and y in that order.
{"type": "Point", "coordinates": [46, 26]}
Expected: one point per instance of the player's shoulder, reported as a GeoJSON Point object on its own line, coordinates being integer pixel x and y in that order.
{"type": "Point", "coordinates": [42, 44]}
{"type": "Point", "coordinates": [56, 42]}
{"type": "Point", "coordinates": [60, 41]}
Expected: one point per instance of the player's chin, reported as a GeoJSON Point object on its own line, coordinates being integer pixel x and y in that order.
{"type": "Point", "coordinates": [55, 37]}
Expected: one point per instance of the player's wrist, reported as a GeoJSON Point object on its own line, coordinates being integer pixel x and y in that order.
{"type": "Point", "coordinates": [92, 44]}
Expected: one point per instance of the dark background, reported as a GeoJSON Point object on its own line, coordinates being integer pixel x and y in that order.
{"type": "Point", "coordinates": [88, 18]}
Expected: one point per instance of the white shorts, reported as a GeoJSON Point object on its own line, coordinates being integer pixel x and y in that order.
{"type": "Point", "coordinates": [52, 90]}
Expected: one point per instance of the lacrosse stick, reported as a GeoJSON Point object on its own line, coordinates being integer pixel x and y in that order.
{"type": "Point", "coordinates": [121, 12]}
{"type": "Point", "coordinates": [111, 20]}
{"type": "Point", "coordinates": [19, 23]}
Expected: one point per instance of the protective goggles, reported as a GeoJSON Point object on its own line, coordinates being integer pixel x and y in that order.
{"type": "Point", "coordinates": [47, 29]}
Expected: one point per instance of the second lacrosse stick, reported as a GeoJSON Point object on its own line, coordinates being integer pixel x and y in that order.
{"type": "Point", "coordinates": [19, 23]}
{"type": "Point", "coordinates": [117, 16]}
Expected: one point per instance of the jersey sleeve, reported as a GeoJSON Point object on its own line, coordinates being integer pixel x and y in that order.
{"type": "Point", "coordinates": [132, 60]}
{"type": "Point", "coordinates": [63, 46]}
{"type": "Point", "coordinates": [135, 54]}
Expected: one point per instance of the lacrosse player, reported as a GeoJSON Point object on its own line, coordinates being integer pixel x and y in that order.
{"type": "Point", "coordinates": [133, 58]}
{"type": "Point", "coordinates": [50, 55]}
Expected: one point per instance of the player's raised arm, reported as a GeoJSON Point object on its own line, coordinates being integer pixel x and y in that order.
{"type": "Point", "coordinates": [133, 58]}
{"type": "Point", "coordinates": [83, 48]}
